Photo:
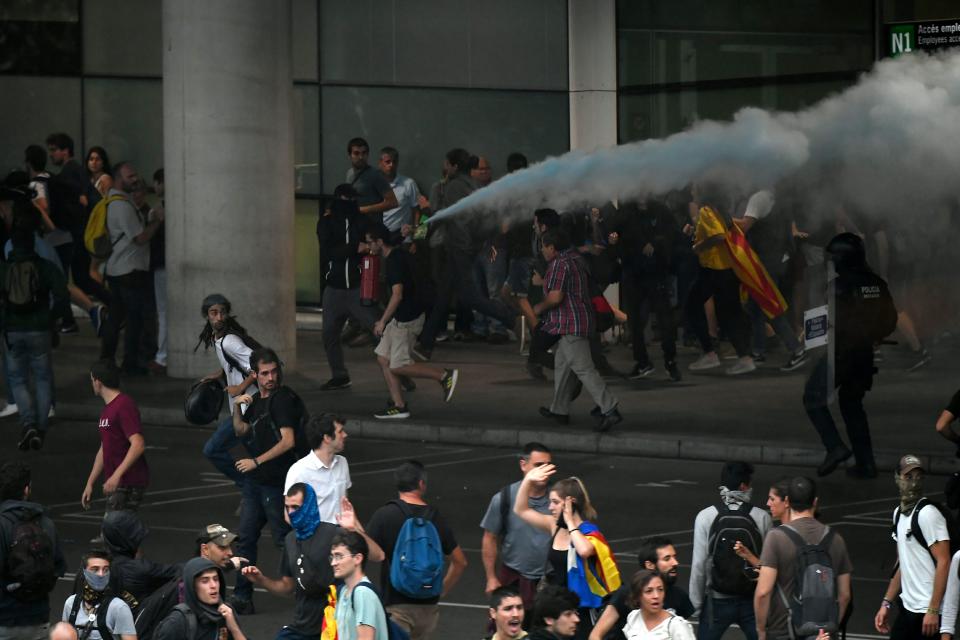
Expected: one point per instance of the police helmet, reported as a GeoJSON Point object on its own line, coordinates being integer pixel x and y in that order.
{"type": "Point", "coordinates": [847, 251]}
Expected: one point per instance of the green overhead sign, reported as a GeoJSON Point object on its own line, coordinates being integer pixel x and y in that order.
{"type": "Point", "coordinates": [907, 37]}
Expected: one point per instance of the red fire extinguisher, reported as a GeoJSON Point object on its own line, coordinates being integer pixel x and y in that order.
{"type": "Point", "coordinates": [369, 280]}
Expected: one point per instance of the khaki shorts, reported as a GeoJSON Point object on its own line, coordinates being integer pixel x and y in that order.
{"type": "Point", "coordinates": [397, 341]}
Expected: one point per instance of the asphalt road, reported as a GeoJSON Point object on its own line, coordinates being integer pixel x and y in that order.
{"type": "Point", "coordinates": [635, 497]}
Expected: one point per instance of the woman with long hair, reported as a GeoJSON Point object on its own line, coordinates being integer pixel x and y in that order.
{"type": "Point", "coordinates": [97, 165]}
{"type": "Point", "coordinates": [579, 557]}
{"type": "Point", "coordinates": [779, 511]}
{"type": "Point", "coordinates": [649, 620]}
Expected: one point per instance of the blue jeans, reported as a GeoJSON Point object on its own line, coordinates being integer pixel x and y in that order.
{"type": "Point", "coordinates": [28, 352]}
{"type": "Point", "coordinates": [490, 277]}
{"type": "Point", "coordinates": [217, 450]}
{"type": "Point", "coordinates": [719, 613]}
{"type": "Point", "coordinates": [262, 505]}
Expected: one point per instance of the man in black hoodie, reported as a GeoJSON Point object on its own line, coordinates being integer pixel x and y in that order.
{"type": "Point", "coordinates": [123, 532]}
{"type": "Point", "coordinates": [342, 234]}
{"type": "Point", "coordinates": [25, 609]}
{"type": "Point", "coordinates": [203, 613]}
{"type": "Point", "coordinates": [555, 614]}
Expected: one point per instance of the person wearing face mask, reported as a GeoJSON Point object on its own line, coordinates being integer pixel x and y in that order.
{"type": "Point", "coordinates": [203, 615]}
{"type": "Point", "coordinates": [923, 552]}
{"type": "Point", "coordinates": [94, 610]}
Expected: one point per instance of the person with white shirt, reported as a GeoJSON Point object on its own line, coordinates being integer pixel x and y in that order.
{"type": "Point", "coordinates": [324, 469]}
{"type": "Point", "coordinates": [230, 341]}
{"type": "Point", "coordinates": [923, 552]}
{"type": "Point", "coordinates": [404, 188]}
{"type": "Point", "coordinates": [649, 620]}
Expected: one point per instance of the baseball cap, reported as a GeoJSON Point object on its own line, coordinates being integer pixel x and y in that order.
{"type": "Point", "coordinates": [909, 462]}
{"type": "Point", "coordinates": [217, 534]}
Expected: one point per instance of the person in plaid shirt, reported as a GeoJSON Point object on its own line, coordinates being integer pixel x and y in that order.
{"type": "Point", "coordinates": [569, 315]}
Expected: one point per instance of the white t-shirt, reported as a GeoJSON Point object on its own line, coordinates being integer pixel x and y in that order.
{"type": "Point", "coordinates": [119, 618]}
{"type": "Point", "coordinates": [673, 628]}
{"type": "Point", "coordinates": [916, 565]}
{"type": "Point", "coordinates": [407, 193]}
{"type": "Point", "coordinates": [329, 483]}
{"type": "Point", "coordinates": [240, 352]}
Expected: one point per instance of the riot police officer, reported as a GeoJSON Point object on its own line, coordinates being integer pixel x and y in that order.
{"type": "Point", "coordinates": [864, 315]}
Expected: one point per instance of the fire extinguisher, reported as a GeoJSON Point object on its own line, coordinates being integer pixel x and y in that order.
{"type": "Point", "coordinates": [369, 280]}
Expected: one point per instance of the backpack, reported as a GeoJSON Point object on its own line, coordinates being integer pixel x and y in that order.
{"type": "Point", "coordinates": [96, 235]}
{"type": "Point", "coordinates": [727, 575]}
{"type": "Point", "coordinates": [394, 630]}
{"type": "Point", "coordinates": [814, 605]}
{"type": "Point", "coordinates": [300, 446]}
{"type": "Point", "coordinates": [504, 511]}
{"type": "Point", "coordinates": [29, 574]}
{"type": "Point", "coordinates": [190, 617]}
{"type": "Point", "coordinates": [101, 619]}
{"type": "Point", "coordinates": [155, 608]}
{"type": "Point", "coordinates": [22, 289]}
{"type": "Point", "coordinates": [249, 341]}
{"type": "Point", "coordinates": [917, 533]}
{"type": "Point", "coordinates": [315, 580]}
{"type": "Point", "coordinates": [416, 567]}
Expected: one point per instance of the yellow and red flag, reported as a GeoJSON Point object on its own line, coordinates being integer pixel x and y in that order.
{"type": "Point", "coordinates": [596, 577]}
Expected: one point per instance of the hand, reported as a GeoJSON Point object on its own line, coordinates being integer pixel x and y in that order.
{"type": "Point", "coordinates": [363, 247]}
{"type": "Point", "coordinates": [571, 517]}
{"type": "Point", "coordinates": [158, 214]}
{"type": "Point", "coordinates": [86, 497]}
{"type": "Point", "coordinates": [648, 249]}
{"type": "Point", "coordinates": [931, 624]}
{"type": "Point", "coordinates": [493, 254]}
{"type": "Point", "coordinates": [880, 622]}
{"type": "Point", "coordinates": [541, 474]}
{"type": "Point", "coordinates": [406, 230]}
{"type": "Point", "coordinates": [228, 615]}
{"type": "Point", "coordinates": [237, 561]}
{"type": "Point", "coordinates": [613, 238]}
{"type": "Point", "coordinates": [243, 399]}
{"type": "Point", "coordinates": [536, 280]}
{"type": "Point", "coordinates": [378, 328]}
{"type": "Point", "coordinates": [347, 518]}
{"type": "Point", "coordinates": [492, 585]}
{"type": "Point", "coordinates": [252, 574]}
{"type": "Point", "coordinates": [246, 465]}
{"type": "Point", "coordinates": [823, 635]}
{"type": "Point", "coordinates": [111, 485]}
{"type": "Point", "coordinates": [688, 229]}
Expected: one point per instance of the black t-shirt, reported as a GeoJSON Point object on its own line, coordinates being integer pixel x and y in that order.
{"type": "Point", "coordinates": [307, 612]}
{"type": "Point", "coordinates": [266, 416]}
{"type": "Point", "coordinates": [954, 406]}
{"type": "Point", "coordinates": [676, 600]}
{"type": "Point", "coordinates": [399, 270]}
{"type": "Point", "coordinates": [384, 527]}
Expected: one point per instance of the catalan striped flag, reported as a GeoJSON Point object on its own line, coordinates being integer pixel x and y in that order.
{"type": "Point", "coordinates": [753, 276]}
{"type": "Point", "coordinates": [328, 627]}
{"type": "Point", "coordinates": [596, 577]}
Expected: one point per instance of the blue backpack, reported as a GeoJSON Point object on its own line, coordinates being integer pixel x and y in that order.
{"type": "Point", "coordinates": [394, 631]}
{"type": "Point", "coordinates": [416, 569]}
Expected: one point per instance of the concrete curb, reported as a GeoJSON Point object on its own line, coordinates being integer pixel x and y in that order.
{"type": "Point", "coordinates": [624, 444]}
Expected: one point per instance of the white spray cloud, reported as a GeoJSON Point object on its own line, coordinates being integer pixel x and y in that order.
{"type": "Point", "coordinates": [882, 146]}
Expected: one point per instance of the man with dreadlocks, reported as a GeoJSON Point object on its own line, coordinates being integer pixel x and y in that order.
{"type": "Point", "coordinates": [233, 347]}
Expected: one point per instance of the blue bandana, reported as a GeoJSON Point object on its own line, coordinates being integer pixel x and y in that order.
{"type": "Point", "coordinates": [306, 519]}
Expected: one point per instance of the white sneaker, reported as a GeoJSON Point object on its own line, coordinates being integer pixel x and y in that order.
{"type": "Point", "coordinates": [741, 367]}
{"type": "Point", "coordinates": [52, 413]}
{"type": "Point", "coordinates": [706, 361]}
{"type": "Point", "coordinates": [9, 410]}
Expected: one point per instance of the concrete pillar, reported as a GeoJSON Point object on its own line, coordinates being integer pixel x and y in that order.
{"type": "Point", "coordinates": [228, 158]}
{"type": "Point", "coordinates": [592, 33]}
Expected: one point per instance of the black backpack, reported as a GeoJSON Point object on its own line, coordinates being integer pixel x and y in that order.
{"type": "Point", "coordinates": [23, 291]}
{"type": "Point", "coordinates": [248, 340]}
{"type": "Point", "coordinates": [313, 579]}
{"type": "Point", "coordinates": [190, 617]}
{"type": "Point", "coordinates": [29, 573]}
{"type": "Point", "coordinates": [727, 574]}
{"type": "Point", "coordinates": [814, 605]}
{"type": "Point", "coordinates": [917, 533]}
{"type": "Point", "coordinates": [300, 446]}
{"type": "Point", "coordinates": [155, 608]}
{"type": "Point", "coordinates": [100, 621]}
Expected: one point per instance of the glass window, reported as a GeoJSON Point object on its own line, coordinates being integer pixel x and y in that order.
{"type": "Point", "coordinates": [306, 139]}
{"type": "Point", "coordinates": [122, 37]}
{"type": "Point", "coordinates": [307, 252]}
{"type": "Point", "coordinates": [40, 37]}
{"type": "Point", "coordinates": [425, 124]}
{"type": "Point", "coordinates": [304, 36]}
{"type": "Point", "coordinates": [38, 107]}
{"type": "Point", "coordinates": [125, 117]}
{"type": "Point", "coordinates": [784, 16]}
{"type": "Point", "coordinates": [907, 10]}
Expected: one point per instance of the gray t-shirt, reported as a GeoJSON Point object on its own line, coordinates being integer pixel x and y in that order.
{"type": "Point", "coordinates": [371, 186]}
{"type": "Point", "coordinates": [524, 548]}
{"type": "Point", "coordinates": [125, 224]}
{"type": "Point", "coordinates": [119, 618]}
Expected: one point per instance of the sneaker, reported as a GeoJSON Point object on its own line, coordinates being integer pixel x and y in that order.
{"type": "Point", "coordinates": [98, 315]}
{"type": "Point", "coordinates": [877, 356]}
{"type": "Point", "coordinates": [641, 371]}
{"type": "Point", "coordinates": [741, 367]}
{"type": "Point", "coordinates": [36, 442]}
{"type": "Point", "coordinates": [241, 606]}
{"type": "Point", "coordinates": [673, 371]}
{"type": "Point", "coordinates": [334, 384]}
{"type": "Point", "coordinates": [442, 337]}
{"type": "Point", "coordinates": [393, 413]}
{"type": "Point", "coordinates": [796, 360]}
{"type": "Point", "coordinates": [832, 460]}
{"type": "Point", "coordinates": [925, 359]}
{"type": "Point", "coordinates": [559, 417]}
{"type": "Point", "coordinates": [449, 383]}
{"type": "Point", "coordinates": [26, 438]}
{"type": "Point", "coordinates": [52, 413]}
{"type": "Point", "coordinates": [71, 327]}
{"type": "Point", "coordinates": [596, 412]}
{"type": "Point", "coordinates": [422, 353]}
{"type": "Point", "coordinates": [407, 383]}
{"type": "Point", "coordinates": [9, 410]}
{"type": "Point", "coordinates": [706, 361]}
{"type": "Point", "coordinates": [608, 421]}
{"type": "Point", "coordinates": [758, 358]}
